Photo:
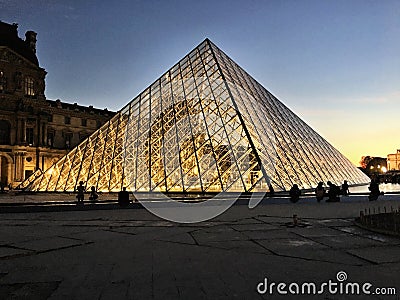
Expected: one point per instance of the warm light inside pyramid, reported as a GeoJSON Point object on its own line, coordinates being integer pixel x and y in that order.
{"type": "Point", "coordinates": [204, 126]}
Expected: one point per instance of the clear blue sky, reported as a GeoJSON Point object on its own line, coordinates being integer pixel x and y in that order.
{"type": "Point", "coordinates": [336, 64]}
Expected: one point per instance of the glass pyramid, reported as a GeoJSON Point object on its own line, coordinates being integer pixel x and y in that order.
{"type": "Point", "coordinates": [204, 126]}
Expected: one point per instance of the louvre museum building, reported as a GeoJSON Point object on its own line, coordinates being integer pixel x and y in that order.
{"type": "Point", "coordinates": [35, 132]}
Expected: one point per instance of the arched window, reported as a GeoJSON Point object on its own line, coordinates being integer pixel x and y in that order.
{"type": "Point", "coordinates": [2, 81]}
{"type": "Point", "coordinates": [4, 132]}
{"type": "Point", "coordinates": [29, 86]}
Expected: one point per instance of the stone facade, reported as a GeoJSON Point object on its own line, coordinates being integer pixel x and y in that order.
{"type": "Point", "coordinates": [34, 131]}
{"type": "Point", "coordinates": [393, 161]}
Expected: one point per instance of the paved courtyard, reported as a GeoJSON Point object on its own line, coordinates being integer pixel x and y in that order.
{"type": "Point", "coordinates": [131, 254]}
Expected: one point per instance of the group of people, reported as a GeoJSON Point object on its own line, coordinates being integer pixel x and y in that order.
{"type": "Point", "coordinates": [123, 196]}
{"type": "Point", "coordinates": [334, 191]}
{"type": "Point", "coordinates": [81, 193]}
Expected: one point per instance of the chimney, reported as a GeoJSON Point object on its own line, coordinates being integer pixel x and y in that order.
{"type": "Point", "coordinates": [30, 40]}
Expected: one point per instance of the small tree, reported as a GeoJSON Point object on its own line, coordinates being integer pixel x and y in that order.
{"type": "Point", "coordinates": [365, 160]}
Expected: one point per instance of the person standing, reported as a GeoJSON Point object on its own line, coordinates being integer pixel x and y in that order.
{"type": "Point", "coordinates": [374, 190]}
{"type": "Point", "coordinates": [81, 190]}
{"type": "Point", "coordinates": [345, 188]}
{"type": "Point", "coordinates": [123, 197]}
{"type": "Point", "coordinates": [320, 191]}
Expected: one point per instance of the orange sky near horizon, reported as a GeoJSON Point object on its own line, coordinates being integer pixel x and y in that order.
{"type": "Point", "coordinates": [371, 129]}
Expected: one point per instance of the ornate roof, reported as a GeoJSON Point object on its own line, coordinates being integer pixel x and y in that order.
{"type": "Point", "coordinates": [9, 38]}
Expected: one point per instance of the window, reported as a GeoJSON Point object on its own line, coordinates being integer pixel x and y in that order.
{"type": "Point", "coordinates": [29, 86]}
{"type": "Point", "coordinates": [84, 122]}
{"type": "Point", "coordinates": [29, 136]}
{"type": "Point", "coordinates": [28, 173]}
{"type": "Point", "coordinates": [67, 120]}
{"type": "Point", "coordinates": [4, 132]}
{"type": "Point", "coordinates": [50, 138]}
{"type": "Point", "coordinates": [2, 81]}
{"type": "Point", "coordinates": [68, 139]}
{"type": "Point", "coordinates": [50, 118]}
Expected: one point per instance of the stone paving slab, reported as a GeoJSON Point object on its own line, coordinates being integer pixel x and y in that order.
{"type": "Point", "coordinates": [36, 290]}
{"type": "Point", "coordinates": [242, 246]}
{"type": "Point", "coordinates": [48, 244]}
{"type": "Point", "coordinates": [7, 251]}
{"type": "Point", "coordinates": [379, 255]}
{"type": "Point", "coordinates": [182, 238]}
{"type": "Point", "coordinates": [316, 232]}
{"type": "Point", "coordinates": [270, 234]}
{"type": "Point", "coordinates": [371, 235]}
{"type": "Point", "coordinates": [345, 241]}
{"type": "Point", "coordinates": [255, 227]}
{"type": "Point", "coordinates": [131, 254]}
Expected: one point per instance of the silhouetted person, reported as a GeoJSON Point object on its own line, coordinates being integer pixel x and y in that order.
{"type": "Point", "coordinates": [2, 187]}
{"type": "Point", "coordinates": [333, 193]}
{"type": "Point", "coordinates": [320, 191]}
{"type": "Point", "coordinates": [93, 194]}
{"type": "Point", "coordinates": [294, 193]}
{"type": "Point", "coordinates": [345, 188]}
{"type": "Point", "coordinates": [81, 190]}
{"type": "Point", "coordinates": [374, 190]}
{"type": "Point", "coordinates": [123, 197]}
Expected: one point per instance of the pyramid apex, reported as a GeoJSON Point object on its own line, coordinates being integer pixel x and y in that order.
{"type": "Point", "coordinates": [207, 40]}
